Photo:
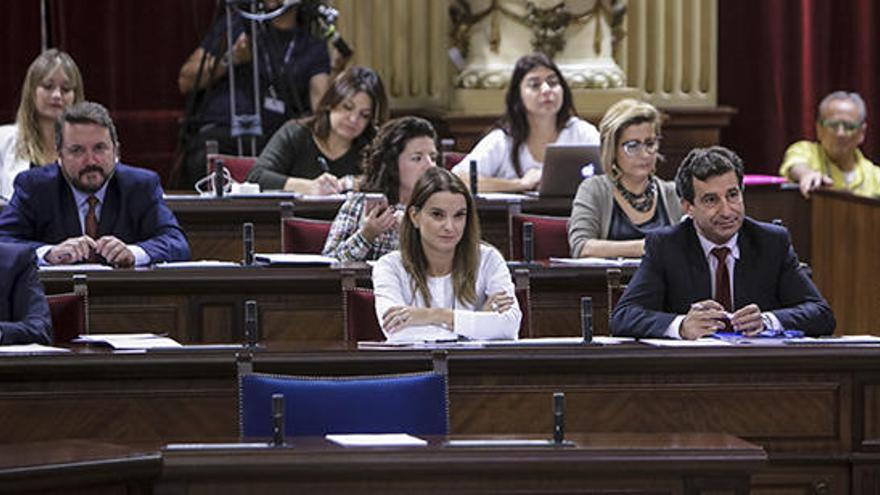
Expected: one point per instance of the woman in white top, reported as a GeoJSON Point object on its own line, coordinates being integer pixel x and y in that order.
{"type": "Point", "coordinates": [444, 283]}
{"type": "Point", "coordinates": [52, 83]}
{"type": "Point", "coordinates": [540, 111]}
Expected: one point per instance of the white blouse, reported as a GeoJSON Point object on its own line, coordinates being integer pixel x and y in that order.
{"type": "Point", "coordinates": [492, 153]}
{"type": "Point", "coordinates": [392, 286]}
{"type": "Point", "coordinates": [10, 165]}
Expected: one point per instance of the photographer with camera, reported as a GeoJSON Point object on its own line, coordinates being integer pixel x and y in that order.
{"type": "Point", "coordinates": [294, 73]}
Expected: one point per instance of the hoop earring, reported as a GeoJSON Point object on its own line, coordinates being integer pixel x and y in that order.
{"type": "Point", "coordinates": [615, 172]}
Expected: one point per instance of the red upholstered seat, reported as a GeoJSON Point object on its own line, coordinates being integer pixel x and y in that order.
{"type": "Point", "coordinates": [69, 318]}
{"type": "Point", "coordinates": [550, 236]}
{"type": "Point", "coordinates": [304, 235]}
{"type": "Point", "coordinates": [361, 323]}
{"type": "Point", "coordinates": [451, 159]}
{"type": "Point", "coordinates": [238, 166]}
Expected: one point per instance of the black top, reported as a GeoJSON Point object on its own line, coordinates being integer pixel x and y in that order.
{"type": "Point", "coordinates": [292, 152]}
{"type": "Point", "coordinates": [623, 229]}
{"type": "Point", "coordinates": [288, 61]}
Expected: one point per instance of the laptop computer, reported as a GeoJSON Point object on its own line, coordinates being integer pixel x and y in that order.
{"type": "Point", "coordinates": [565, 166]}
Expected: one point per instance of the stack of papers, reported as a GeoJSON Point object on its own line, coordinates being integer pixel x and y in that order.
{"type": "Point", "coordinates": [842, 340]}
{"type": "Point", "coordinates": [293, 259]}
{"type": "Point", "coordinates": [600, 262]}
{"type": "Point", "coordinates": [82, 267]}
{"type": "Point", "coordinates": [505, 197]}
{"type": "Point", "coordinates": [123, 341]}
{"type": "Point", "coordinates": [376, 440]}
{"type": "Point", "coordinates": [32, 349]}
{"type": "Point", "coordinates": [196, 264]}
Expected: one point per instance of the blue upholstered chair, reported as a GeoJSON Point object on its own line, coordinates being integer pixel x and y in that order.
{"type": "Point", "coordinates": [414, 403]}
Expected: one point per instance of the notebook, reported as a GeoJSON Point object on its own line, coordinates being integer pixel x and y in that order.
{"type": "Point", "coordinates": [565, 166]}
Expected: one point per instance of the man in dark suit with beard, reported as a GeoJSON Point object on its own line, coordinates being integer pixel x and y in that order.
{"type": "Point", "coordinates": [88, 206]}
{"type": "Point", "coordinates": [683, 287]}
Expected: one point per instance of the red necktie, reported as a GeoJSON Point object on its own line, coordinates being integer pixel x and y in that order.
{"type": "Point", "coordinates": [92, 224]}
{"type": "Point", "coordinates": [722, 278]}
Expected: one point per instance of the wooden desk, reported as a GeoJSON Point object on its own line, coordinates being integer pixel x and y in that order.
{"type": "Point", "coordinates": [846, 258]}
{"type": "Point", "coordinates": [634, 463]}
{"type": "Point", "coordinates": [213, 226]}
{"type": "Point", "coordinates": [295, 304]}
{"type": "Point", "coordinates": [631, 463]}
{"type": "Point", "coordinates": [811, 408]}
{"type": "Point", "coordinates": [77, 466]}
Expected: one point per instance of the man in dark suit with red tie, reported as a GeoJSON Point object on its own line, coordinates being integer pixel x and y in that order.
{"type": "Point", "coordinates": [90, 207]}
{"type": "Point", "coordinates": [24, 313]}
{"type": "Point", "coordinates": [684, 289]}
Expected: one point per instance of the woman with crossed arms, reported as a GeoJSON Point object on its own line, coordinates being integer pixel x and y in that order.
{"type": "Point", "coordinates": [444, 283]}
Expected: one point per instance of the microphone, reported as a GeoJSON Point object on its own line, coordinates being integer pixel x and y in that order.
{"type": "Point", "coordinates": [218, 178]}
{"type": "Point", "coordinates": [528, 242]}
{"type": "Point", "coordinates": [277, 420]}
{"type": "Point", "coordinates": [247, 235]}
{"type": "Point", "coordinates": [587, 319]}
{"type": "Point", "coordinates": [250, 323]}
{"type": "Point", "coordinates": [474, 178]}
{"type": "Point", "coordinates": [558, 418]}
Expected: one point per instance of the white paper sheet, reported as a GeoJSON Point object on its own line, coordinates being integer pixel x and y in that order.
{"type": "Point", "coordinates": [376, 440]}
{"type": "Point", "coordinates": [84, 267]}
{"type": "Point", "coordinates": [196, 264]}
{"type": "Point", "coordinates": [123, 341]}
{"type": "Point", "coordinates": [32, 349]}
{"type": "Point", "coordinates": [293, 259]}
{"type": "Point", "coordinates": [601, 262]}
{"type": "Point", "coordinates": [709, 342]}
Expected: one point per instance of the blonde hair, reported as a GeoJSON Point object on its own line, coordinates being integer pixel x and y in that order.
{"type": "Point", "coordinates": [30, 139]}
{"type": "Point", "coordinates": [617, 118]}
{"type": "Point", "coordinates": [467, 253]}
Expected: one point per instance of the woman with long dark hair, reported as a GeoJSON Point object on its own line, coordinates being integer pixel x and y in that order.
{"type": "Point", "coordinates": [323, 154]}
{"type": "Point", "coordinates": [443, 282]}
{"type": "Point", "coordinates": [539, 111]}
{"type": "Point", "coordinates": [367, 224]}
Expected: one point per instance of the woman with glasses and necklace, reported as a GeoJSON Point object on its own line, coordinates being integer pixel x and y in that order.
{"type": "Point", "coordinates": [540, 111]}
{"type": "Point", "coordinates": [611, 213]}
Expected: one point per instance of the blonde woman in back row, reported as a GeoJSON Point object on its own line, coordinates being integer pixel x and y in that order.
{"type": "Point", "coordinates": [611, 213]}
{"type": "Point", "coordinates": [52, 83]}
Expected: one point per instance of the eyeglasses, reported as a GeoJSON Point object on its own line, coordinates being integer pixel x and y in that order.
{"type": "Point", "coordinates": [535, 83]}
{"type": "Point", "coordinates": [841, 125]}
{"type": "Point", "coordinates": [634, 147]}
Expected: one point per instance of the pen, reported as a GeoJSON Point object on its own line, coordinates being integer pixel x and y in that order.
{"type": "Point", "coordinates": [322, 163]}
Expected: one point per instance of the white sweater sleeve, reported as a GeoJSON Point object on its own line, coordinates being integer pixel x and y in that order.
{"type": "Point", "coordinates": [493, 276]}
{"type": "Point", "coordinates": [492, 155]}
{"type": "Point", "coordinates": [389, 285]}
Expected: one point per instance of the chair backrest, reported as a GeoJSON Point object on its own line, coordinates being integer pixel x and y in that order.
{"type": "Point", "coordinates": [451, 159]}
{"type": "Point", "coordinates": [238, 166]}
{"type": "Point", "coordinates": [70, 311]}
{"type": "Point", "coordinates": [362, 324]}
{"type": "Point", "coordinates": [414, 403]}
{"type": "Point", "coordinates": [550, 236]}
{"type": "Point", "coordinates": [302, 235]}
{"type": "Point", "coordinates": [615, 288]}
{"type": "Point", "coordinates": [359, 314]}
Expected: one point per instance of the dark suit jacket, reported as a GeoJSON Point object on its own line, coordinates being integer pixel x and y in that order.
{"type": "Point", "coordinates": [674, 273]}
{"type": "Point", "coordinates": [24, 313]}
{"type": "Point", "coordinates": [42, 211]}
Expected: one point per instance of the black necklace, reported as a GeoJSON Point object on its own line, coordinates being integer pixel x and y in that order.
{"type": "Point", "coordinates": [641, 202]}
